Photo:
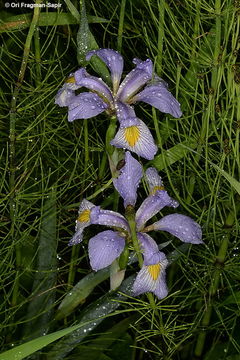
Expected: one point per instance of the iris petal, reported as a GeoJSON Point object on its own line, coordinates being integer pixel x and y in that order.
{"type": "Point", "coordinates": [114, 62]}
{"type": "Point", "coordinates": [85, 106]}
{"type": "Point", "coordinates": [126, 115]}
{"type": "Point", "coordinates": [150, 249]}
{"type": "Point", "coordinates": [93, 83]}
{"type": "Point", "coordinates": [104, 248]}
{"type": "Point", "coordinates": [149, 280]}
{"type": "Point", "coordinates": [154, 180]}
{"type": "Point", "coordinates": [129, 179]}
{"type": "Point", "coordinates": [152, 205]}
{"type": "Point", "coordinates": [136, 138]}
{"type": "Point", "coordinates": [136, 79]}
{"type": "Point", "coordinates": [181, 226]}
{"type": "Point", "coordinates": [159, 97]}
{"type": "Point", "coordinates": [64, 96]}
{"type": "Point", "coordinates": [108, 218]}
{"type": "Point", "coordinates": [82, 222]}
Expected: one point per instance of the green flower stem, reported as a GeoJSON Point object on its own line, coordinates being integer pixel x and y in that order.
{"type": "Point", "coordinates": [12, 150]}
{"type": "Point", "coordinates": [72, 266]}
{"type": "Point", "coordinates": [219, 263]}
{"type": "Point", "coordinates": [130, 216]}
{"type": "Point", "coordinates": [86, 147]}
{"type": "Point", "coordinates": [111, 131]}
{"type": "Point", "coordinates": [120, 26]}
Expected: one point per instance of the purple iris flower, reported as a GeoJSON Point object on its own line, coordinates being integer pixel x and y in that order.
{"type": "Point", "coordinates": [141, 84]}
{"type": "Point", "coordinates": [108, 245]}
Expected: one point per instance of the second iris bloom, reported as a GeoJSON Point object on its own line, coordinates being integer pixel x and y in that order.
{"type": "Point", "coordinates": [108, 245]}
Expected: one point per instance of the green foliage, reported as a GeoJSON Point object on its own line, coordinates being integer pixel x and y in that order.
{"type": "Point", "coordinates": [48, 165]}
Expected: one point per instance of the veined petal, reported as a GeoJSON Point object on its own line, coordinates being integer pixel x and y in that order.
{"type": "Point", "coordinates": [108, 218]}
{"type": "Point", "coordinates": [93, 83]}
{"type": "Point", "coordinates": [85, 106]}
{"type": "Point", "coordinates": [128, 180]}
{"type": "Point", "coordinates": [152, 278]}
{"type": "Point", "coordinates": [181, 226]}
{"type": "Point", "coordinates": [136, 79]}
{"type": "Point", "coordinates": [126, 115]}
{"type": "Point", "coordinates": [82, 221]}
{"type": "Point", "coordinates": [136, 138]}
{"type": "Point", "coordinates": [159, 97]}
{"type": "Point", "coordinates": [64, 96]}
{"type": "Point", "coordinates": [154, 180]}
{"type": "Point", "coordinates": [150, 249]}
{"type": "Point", "coordinates": [114, 62]}
{"type": "Point", "coordinates": [152, 205]}
{"type": "Point", "coordinates": [104, 248]}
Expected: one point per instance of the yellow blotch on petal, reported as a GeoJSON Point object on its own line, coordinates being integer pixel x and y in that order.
{"type": "Point", "coordinates": [132, 135]}
{"type": "Point", "coordinates": [156, 188]}
{"type": "Point", "coordinates": [154, 271]}
{"type": "Point", "coordinates": [84, 216]}
{"type": "Point", "coordinates": [71, 80]}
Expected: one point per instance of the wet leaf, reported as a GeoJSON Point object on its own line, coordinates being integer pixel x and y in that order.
{"type": "Point", "coordinates": [40, 309]}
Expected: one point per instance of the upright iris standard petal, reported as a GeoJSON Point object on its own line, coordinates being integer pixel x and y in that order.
{"type": "Point", "coordinates": [152, 205]}
{"type": "Point", "coordinates": [108, 218]}
{"type": "Point", "coordinates": [126, 115]}
{"type": "Point", "coordinates": [93, 83]}
{"type": "Point", "coordinates": [154, 180]}
{"type": "Point", "coordinates": [150, 249]}
{"type": "Point", "coordinates": [83, 221]}
{"type": "Point", "coordinates": [159, 97]}
{"type": "Point", "coordinates": [136, 138]}
{"type": "Point", "coordinates": [85, 106]}
{"type": "Point", "coordinates": [114, 62]}
{"type": "Point", "coordinates": [135, 80]}
{"type": "Point", "coordinates": [180, 226]}
{"type": "Point", "coordinates": [104, 248]}
{"type": "Point", "coordinates": [128, 180]}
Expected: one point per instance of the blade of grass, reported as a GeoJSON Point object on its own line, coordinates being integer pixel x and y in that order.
{"type": "Point", "coordinates": [20, 22]}
{"type": "Point", "coordinates": [40, 308]}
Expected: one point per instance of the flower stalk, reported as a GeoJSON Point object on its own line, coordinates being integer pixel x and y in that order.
{"type": "Point", "coordinates": [130, 216]}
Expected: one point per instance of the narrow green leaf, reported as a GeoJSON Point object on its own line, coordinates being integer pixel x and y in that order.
{"type": "Point", "coordinates": [232, 299]}
{"type": "Point", "coordinates": [80, 292]}
{"type": "Point", "coordinates": [176, 153]}
{"type": "Point", "coordinates": [234, 183]}
{"type": "Point", "coordinates": [21, 351]}
{"type": "Point", "coordinates": [40, 309]}
{"type": "Point", "coordinates": [73, 10]}
{"type": "Point", "coordinates": [20, 22]}
{"type": "Point", "coordinates": [94, 315]}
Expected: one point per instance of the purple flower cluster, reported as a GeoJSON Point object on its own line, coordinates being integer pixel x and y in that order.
{"type": "Point", "coordinates": [108, 245]}
{"type": "Point", "coordinates": [141, 84]}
